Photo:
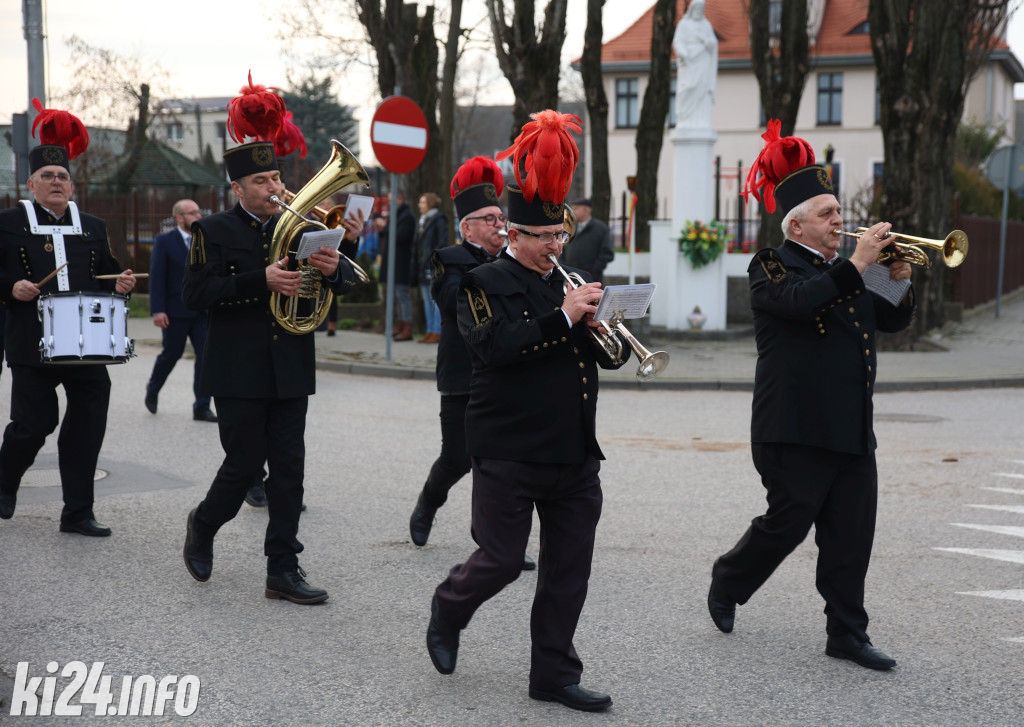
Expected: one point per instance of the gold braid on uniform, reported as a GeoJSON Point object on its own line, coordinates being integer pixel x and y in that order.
{"type": "Point", "coordinates": [772, 266]}
{"type": "Point", "coordinates": [479, 305]}
{"type": "Point", "coordinates": [197, 252]}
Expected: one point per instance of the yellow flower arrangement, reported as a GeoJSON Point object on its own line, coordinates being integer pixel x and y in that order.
{"type": "Point", "coordinates": [702, 243]}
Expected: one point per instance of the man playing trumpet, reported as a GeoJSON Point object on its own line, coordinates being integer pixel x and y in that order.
{"type": "Point", "coordinates": [813, 445]}
{"type": "Point", "coordinates": [530, 425]}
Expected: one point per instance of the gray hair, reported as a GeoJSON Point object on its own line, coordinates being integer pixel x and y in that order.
{"type": "Point", "coordinates": [799, 213]}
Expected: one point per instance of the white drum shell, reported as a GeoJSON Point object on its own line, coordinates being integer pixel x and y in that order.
{"type": "Point", "coordinates": [84, 328]}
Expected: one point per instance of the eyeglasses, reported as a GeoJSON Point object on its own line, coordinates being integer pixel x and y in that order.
{"type": "Point", "coordinates": [546, 237]}
{"type": "Point", "coordinates": [50, 176]}
{"type": "Point", "coordinates": [490, 220]}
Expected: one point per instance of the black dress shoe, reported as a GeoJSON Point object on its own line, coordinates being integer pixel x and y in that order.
{"type": "Point", "coordinates": [198, 551]}
{"type": "Point", "coordinates": [575, 697]}
{"type": "Point", "coordinates": [859, 652]}
{"type": "Point", "coordinates": [86, 527]}
{"type": "Point", "coordinates": [151, 402]}
{"type": "Point", "coordinates": [442, 641]}
{"type": "Point", "coordinates": [723, 612]}
{"type": "Point", "coordinates": [256, 496]}
{"type": "Point", "coordinates": [203, 416]}
{"type": "Point", "coordinates": [7, 503]}
{"type": "Point", "coordinates": [421, 521]}
{"type": "Point", "coordinates": [529, 563]}
{"type": "Point", "coordinates": [291, 586]}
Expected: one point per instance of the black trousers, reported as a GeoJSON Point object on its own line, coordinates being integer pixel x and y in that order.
{"type": "Point", "coordinates": [34, 416]}
{"type": "Point", "coordinates": [174, 336]}
{"type": "Point", "coordinates": [453, 462]}
{"type": "Point", "coordinates": [568, 500]}
{"type": "Point", "coordinates": [254, 431]}
{"type": "Point", "coordinates": [835, 492]}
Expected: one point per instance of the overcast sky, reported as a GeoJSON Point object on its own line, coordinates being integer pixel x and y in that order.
{"type": "Point", "coordinates": [208, 46]}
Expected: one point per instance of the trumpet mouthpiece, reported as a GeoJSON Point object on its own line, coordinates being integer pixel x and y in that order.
{"type": "Point", "coordinates": [502, 233]}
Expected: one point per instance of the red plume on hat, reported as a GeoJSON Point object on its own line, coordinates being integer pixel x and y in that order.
{"type": "Point", "coordinates": [475, 171]}
{"type": "Point", "coordinates": [549, 155]}
{"type": "Point", "coordinates": [780, 156]}
{"type": "Point", "coordinates": [290, 138]}
{"type": "Point", "coordinates": [258, 112]}
{"type": "Point", "coordinates": [61, 129]}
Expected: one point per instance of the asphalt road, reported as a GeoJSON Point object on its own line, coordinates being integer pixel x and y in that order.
{"type": "Point", "coordinates": [945, 589]}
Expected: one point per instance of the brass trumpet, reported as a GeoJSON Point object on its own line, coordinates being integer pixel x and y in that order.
{"type": "Point", "coordinates": [332, 217]}
{"type": "Point", "coordinates": [651, 364]}
{"type": "Point", "coordinates": [953, 248]}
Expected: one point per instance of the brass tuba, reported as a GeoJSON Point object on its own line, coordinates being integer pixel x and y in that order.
{"type": "Point", "coordinates": [341, 170]}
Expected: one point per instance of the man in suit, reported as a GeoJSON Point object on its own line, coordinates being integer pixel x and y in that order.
{"type": "Point", "coordinates": [178, 323]}
{"type": "Point", "coordinates": [591, 249]}
{"type": "Point", "coordinates": [37, 237]}
{"type": "Point", "coordinates": [260, 374]}
{"type": "Point", "coordinates": [475, 189]}
{"type": "Point", "coordinates": [530, 426]}
{"type": "Point", "coordinates": [811, 427]}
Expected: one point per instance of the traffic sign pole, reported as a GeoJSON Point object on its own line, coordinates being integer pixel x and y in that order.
{"type": "Point", "coordinates": [398, 133]}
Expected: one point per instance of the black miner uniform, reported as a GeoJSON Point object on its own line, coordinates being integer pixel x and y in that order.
{"type": "Point", "coordinates": [34, 404]}
{"type": "Point", "coordinates": [532, 403]}
{"type": "Point", "coordinates": [453, 367]}
{"type": "Point", "coordinates": [260, 375]}
{"type": "Point", "coordinates": [809, 313]}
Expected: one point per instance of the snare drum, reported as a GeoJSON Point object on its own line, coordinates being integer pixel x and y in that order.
{"type": "Point", "coordinates": [84, 328]}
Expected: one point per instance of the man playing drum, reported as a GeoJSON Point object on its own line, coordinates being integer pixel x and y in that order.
{"type": "Point", "coordinates": [37, 238]}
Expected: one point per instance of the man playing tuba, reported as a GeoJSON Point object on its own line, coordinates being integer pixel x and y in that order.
{"type": "Point", "coordinates": [260, 374]}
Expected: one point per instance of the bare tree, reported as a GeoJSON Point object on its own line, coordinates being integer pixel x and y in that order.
{"type": "Point", "coordinates": [447, 103]}
{"type": "Point", "coordinates": [779, 52]}
{"type": "Point", "coordinates": [926, 53]}
{"type": "Point", "coordinates": [530, 59]}
{"type": "Point", "coordinates": [650, 132]}
{"type": "Point", "coordinates": [597, 111]}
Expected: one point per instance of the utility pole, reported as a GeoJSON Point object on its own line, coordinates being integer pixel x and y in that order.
{"type": "Point", "coordinates": [32, 11]}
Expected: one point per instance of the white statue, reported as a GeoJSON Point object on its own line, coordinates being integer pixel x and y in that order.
{"type": "Point", "coordinates": [696, 50]}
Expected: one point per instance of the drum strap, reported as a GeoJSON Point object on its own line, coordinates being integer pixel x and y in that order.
{"type": "Point", "coordinates": [57, 232]}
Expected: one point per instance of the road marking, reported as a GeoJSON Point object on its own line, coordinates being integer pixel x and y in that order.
{"type": "Point", "coordinates": [1017, 595]}
{"type": "Point", "coordinates": [1010, 556]}
{"type": "Point", "coordinates": [1009, 490]}
{"type": "Point", "coordinates": [1001, 529]}
{"type": "Point", "coordinates": [1011, 475]}
{"type": "Point", "coordinates": [1002, 508]}
{"type": "Point", "coordinates": [1015, 639]}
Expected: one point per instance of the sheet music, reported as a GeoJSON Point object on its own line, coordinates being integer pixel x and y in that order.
{"type": "Point", "coordinates": [631, 300]}
{"type": "Point", "coordinates": [876, 279]}
{"type": "Point", "coordinates": [358, 203]}
{"type": "Point", "coordinates": [313, 241]}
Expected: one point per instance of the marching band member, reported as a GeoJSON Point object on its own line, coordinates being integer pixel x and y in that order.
{"type": "Point", "coordinates": [530, 424]}
{"type": "Point", "coordinates": [476, 189]}
{"type": "Point", "coordinates": [814, 447]}
{"type": "Point", "coordinates": [36, 238]}
{"type": "Point", "coordinates": [260, 375]}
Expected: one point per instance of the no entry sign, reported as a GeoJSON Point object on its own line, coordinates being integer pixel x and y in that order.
{"type": "Point", "coordinates": [398, 134]}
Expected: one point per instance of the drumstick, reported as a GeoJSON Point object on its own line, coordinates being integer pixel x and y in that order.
{"type": "Point", "coordinates": [48, 277]}
{"type": "Point", "coordinates": [115, 277]}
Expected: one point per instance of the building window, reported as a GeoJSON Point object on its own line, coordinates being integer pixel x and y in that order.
{"type": "Point", "coordinates": [671, 120]}
{"type": "Point", "coordinates": [830, 99]}
{"type": "Point", "coordinates": [627, 103]}
{"type": "Point", "coordinates": [175, 134]}
{"type": "Point", "coordinates": [877, 169]}
{"type": "Point", "coordinates": [222, 131]}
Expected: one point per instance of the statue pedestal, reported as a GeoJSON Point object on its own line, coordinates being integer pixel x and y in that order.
{"type": "Point", "coordinates": [680, 287]}
{"type": "Point", "coordinates": [693, 190]}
